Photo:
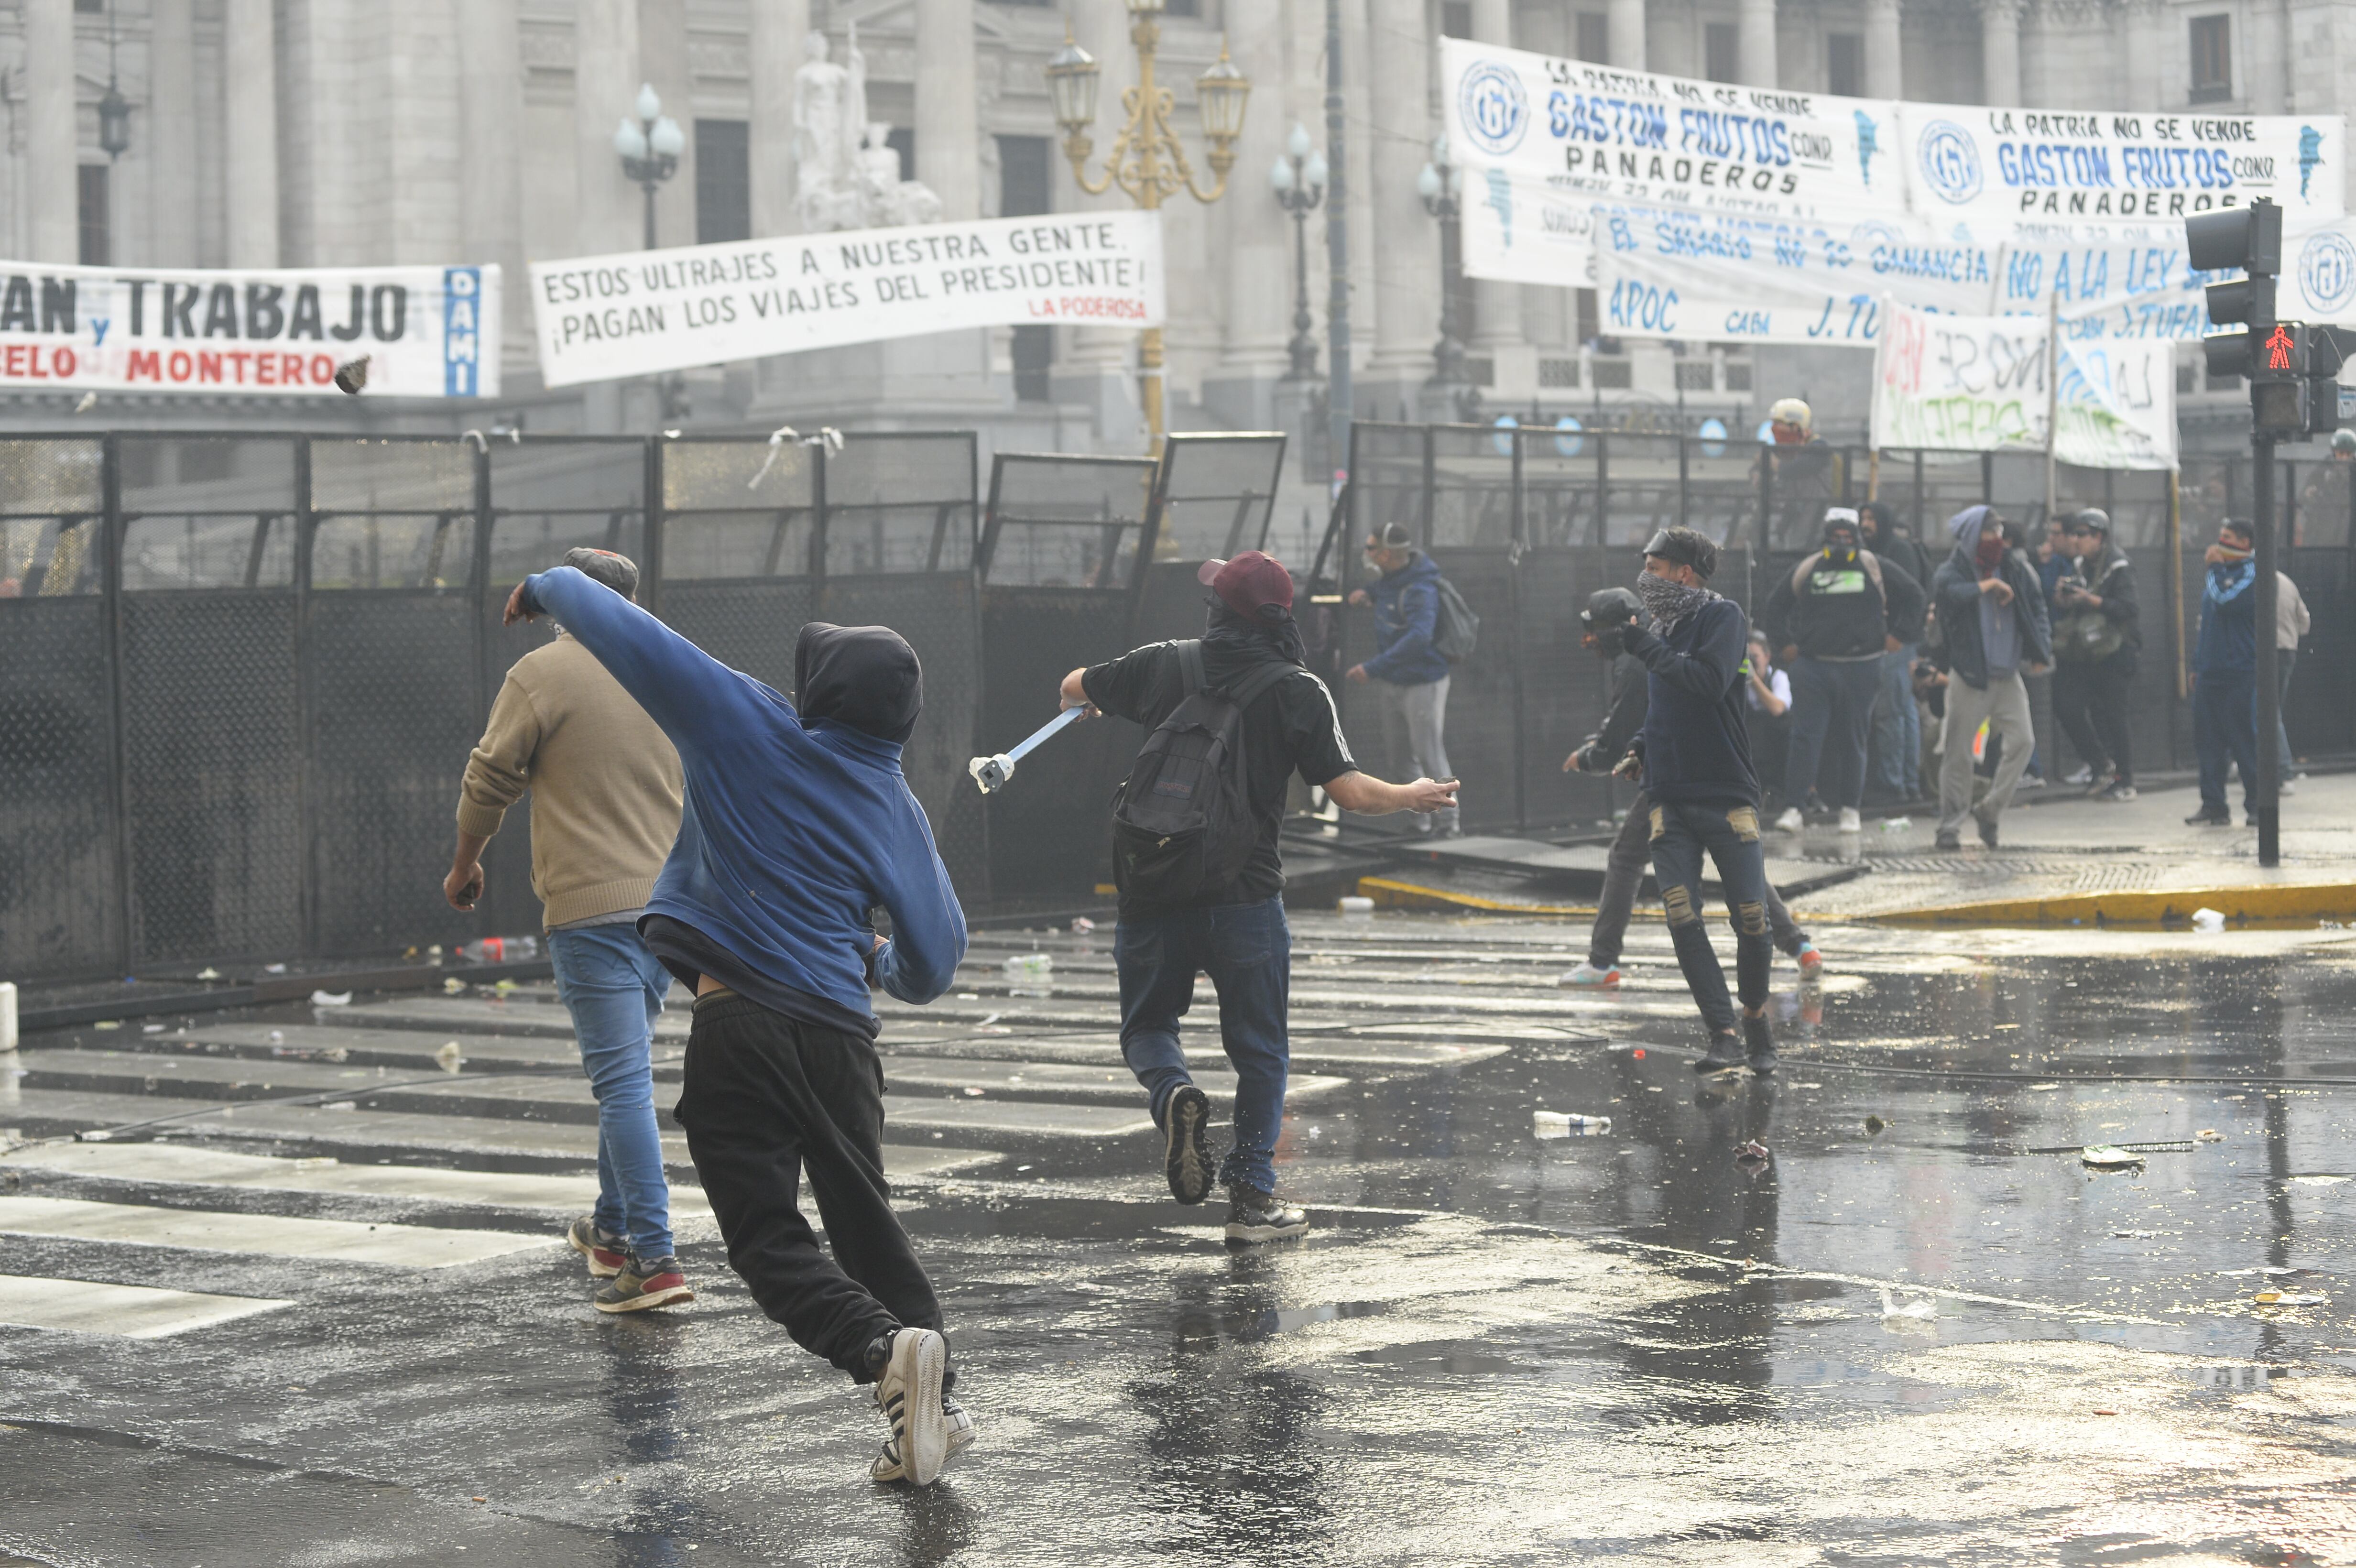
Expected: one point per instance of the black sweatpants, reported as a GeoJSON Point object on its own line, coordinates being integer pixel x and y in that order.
{"type": "Point", "coordinates": [765, 1096]}
{"type": "Point", "coordinates": [2090, 698]}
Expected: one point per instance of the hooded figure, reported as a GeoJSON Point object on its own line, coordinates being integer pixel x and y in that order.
{"type": "Point", "coordinates": [1975, 623]}
{"type": "Point", "coordinates": [865, 676]}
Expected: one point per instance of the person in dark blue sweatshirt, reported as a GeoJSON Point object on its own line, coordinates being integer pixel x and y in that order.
{"type": "Point", "coordinates": [796, 827]}
{"type": "Point", "coordinates": [2225, 674]}
{"type": "Point", "coordinates": [1407, 676]}
{"type": "Point", "coordinates": [1693, 757]}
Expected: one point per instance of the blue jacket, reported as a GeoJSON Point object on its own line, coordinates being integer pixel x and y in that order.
{"type": "Point", "coordinates": [1697, 735]}
{"type": "Point", "coordinates": [1406, 610]}
{"type": "Point", "coordinates": [2229, 605]}
{"type": "Point", "coordinates": [791, 831]}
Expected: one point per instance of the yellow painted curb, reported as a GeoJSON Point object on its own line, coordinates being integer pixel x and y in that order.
{"type": "Point", "coordinates": [1390, 893]}
{"type": "Point", "coordinates": [2289, 904]}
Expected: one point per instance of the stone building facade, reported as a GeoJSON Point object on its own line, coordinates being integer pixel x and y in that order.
{"type": "Point", "coordinates": [303, 133]}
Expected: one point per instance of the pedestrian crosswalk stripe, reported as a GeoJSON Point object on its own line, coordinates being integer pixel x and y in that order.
{"type": "Point", "coordinates": [1113, 1083]}
{"type": "Point", "coordinates": [1014, 1117]}
{"type": "Point", "coordinates": [130, 1311]}
{"type": "Point", "coordinates": [344, 1241]}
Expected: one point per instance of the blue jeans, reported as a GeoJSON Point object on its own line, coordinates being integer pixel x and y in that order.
{"type": "Point", "coordinates": [614, 987]}
{"type": "Point", "coordinates": [1898, 728]}
{"type": "Point", "coordinates": [2226, 724]}
{"type": "Point", "coordinates": [1681, 834]}
{"type": "Point", "coordinates": [1246, 950]}
{"type": "Point", "coordinates": [1832, 708]}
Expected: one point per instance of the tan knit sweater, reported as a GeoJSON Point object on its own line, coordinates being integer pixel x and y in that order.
{"type": "Point", "coordinates": [605, 783]}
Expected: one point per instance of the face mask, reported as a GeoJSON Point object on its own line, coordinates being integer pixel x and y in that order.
{"type": "Point", "coordinates": [1989, 553]}
{"type": "Point", "coordinates": [1840, 552]}
{"type": "Point", "coordinates": [1666, 600]}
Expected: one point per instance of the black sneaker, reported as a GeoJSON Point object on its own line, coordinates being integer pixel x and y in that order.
{"type": "Point", "coordinates": [1184, 1159]}
{"type": "Point", "coordinates": [911, 1365]}
{"type": "Point", "coordinates": [2204, 817]}
{"type": "Point", "coordinates": [1987, 832]}
{"type": "Point", "coordinates": [1724, 1055]}
{"type": "Point", "coordinates": [1948, 840]}
{"type": "Point", "coordinates": [1761, 1041]}
{"type": "Point", "coordinates": [1256, 1216]}
{"type": "Point", "coordinates": [2117, 789]}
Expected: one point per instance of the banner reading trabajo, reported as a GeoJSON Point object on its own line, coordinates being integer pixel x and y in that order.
{"type": "Point", "coordinates": [428, 332]}
{"type": "Point", "coordinates": [600, 317]}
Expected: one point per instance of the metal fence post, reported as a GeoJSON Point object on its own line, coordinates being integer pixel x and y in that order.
{"type": "Point", "coordinates": [110, 528]}
{"type": "Point", "coordinates": [818, 519]}
{"type": "Point", "coordinates": [650, 540]}
{"type": "Point", "coordinates": [307, 522]}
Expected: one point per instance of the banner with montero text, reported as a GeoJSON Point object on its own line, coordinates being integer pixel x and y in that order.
{"type": "Point", "coordinates": [601, 317]}
{"type": "Point", "coordinates": [426, 332]}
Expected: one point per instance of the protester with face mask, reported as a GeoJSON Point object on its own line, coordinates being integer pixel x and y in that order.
{"type": "Point", "coordinates": [1991, 614]}
{"type": "Point", "coordinates": [1693, 757]}
{"type": "Point", "coordinates": [2224, 674]}
{"type": "Point", "coordinates": [1604, 624]}
{"type": "Point", "coordinates": [1894, 756]}
{"type": "Point", "coordinates": [2095, 641]}
{"type": "Point", "coordinates": [1835, 616]}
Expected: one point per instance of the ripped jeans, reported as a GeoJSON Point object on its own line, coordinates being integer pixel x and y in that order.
{"type": "Point", "coordinates": [1681, 833]}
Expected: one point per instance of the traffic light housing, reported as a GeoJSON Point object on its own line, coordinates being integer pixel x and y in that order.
{"type": "Point", "coordinates": [2278, 389]}
{"type": "Point", "coordinates": [2328, 349]}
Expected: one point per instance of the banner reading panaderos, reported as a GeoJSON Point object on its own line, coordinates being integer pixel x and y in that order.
{"type": "Point", "coordinates": [1960, 383]}
{"type": "Point", "coordinates": [1539, 139]}
{"type": "Point", "coordinates": [428, 332]}
{"type": "Point", "coordinates": [604, 317]}
{"type": "Point", "coordinates": [2001, 166]}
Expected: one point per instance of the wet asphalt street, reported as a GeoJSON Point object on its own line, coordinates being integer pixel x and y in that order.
{"type": "Point", "coordinates": [1921, 1329]}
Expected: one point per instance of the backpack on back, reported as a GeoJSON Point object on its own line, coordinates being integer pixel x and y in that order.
{"type": "Point", "coordinates": [1455, 628]}
{"type": "Point", "coordinates": [1182, 821]}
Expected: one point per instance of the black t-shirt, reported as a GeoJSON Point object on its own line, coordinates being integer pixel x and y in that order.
{"type": "Point", "coordinates": [1292, 725]}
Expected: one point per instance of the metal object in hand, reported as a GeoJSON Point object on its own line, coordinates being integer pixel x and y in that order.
{"type": "Point", "coordinates": [991, 773]}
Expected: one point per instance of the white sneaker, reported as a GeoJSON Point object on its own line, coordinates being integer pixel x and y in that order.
{"type": "Point", "coordinates": [2085, 775]}
{"type": "Point", "coordinates": [1790, 821]}
{"type": "Point", "coordinates": [909, 1393]}
{"type": "Point", "coordinates": [1587, 976]}
{"type": "Point", "coordinates": [888, 1466]}
{"type": "Point", "coordinates": [1849, 821]}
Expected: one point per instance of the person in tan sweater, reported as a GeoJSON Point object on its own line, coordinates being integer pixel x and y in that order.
{"type": "Point", "coordinates": [606, 788]}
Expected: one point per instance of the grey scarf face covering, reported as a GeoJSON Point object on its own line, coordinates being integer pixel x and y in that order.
{"type": "Point", "coordinates": [1667, 601]}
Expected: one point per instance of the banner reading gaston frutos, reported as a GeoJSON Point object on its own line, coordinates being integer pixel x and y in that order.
{"type": "Point", "coordinates": [600, 317]}
{"type": "Point", "coordinates": [425, 331]}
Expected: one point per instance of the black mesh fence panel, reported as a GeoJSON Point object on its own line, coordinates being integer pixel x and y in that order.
{"type": "Point", "coordinates": [1218, 495]}
{"type": "Point", "coordinates": [1055, 521]}
{"type": "Point", "coordinates": [1561, 483]}
{"type": "Point", "coordinates": [1390, 483]}
{"type": "Point", "coordinates": [900, 503]}
{"type": "Point", "coordinates": [1645, 494]}
{"type": "Point", "coordinates": [1471, 501]}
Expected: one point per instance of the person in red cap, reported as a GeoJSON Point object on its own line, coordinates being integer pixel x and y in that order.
{"type": "Point", "coordinates": [1232, 928]}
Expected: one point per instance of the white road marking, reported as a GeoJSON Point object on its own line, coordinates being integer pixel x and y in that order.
{"type": "Point", "coordinates": [345, 1240]}
{"type": "Point", "coordinates": [130, 1311]}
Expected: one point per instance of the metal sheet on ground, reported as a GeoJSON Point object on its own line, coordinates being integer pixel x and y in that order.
{"type": "Point", "coordinates": [127, 1311]}
{"type": "Point", "coordinates": [273, 1235]}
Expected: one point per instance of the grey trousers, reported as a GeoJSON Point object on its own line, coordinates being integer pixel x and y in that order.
{"type": "Point", "coordinates": [2005, 704]}
{"type": "Point", "coordinates": [1415, 720]}
{"type": "Point", "coordinates": [1623, 873]}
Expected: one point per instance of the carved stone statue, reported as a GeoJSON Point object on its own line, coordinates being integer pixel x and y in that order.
{"type": "Point", "coordinates": [847, 175]}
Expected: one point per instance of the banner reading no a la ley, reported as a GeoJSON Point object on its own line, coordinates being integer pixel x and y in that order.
{"type": "Point", "coordinates": [428, 332]}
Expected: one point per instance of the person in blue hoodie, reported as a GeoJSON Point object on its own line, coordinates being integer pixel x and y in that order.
{"type": "Point", "coordinates": [1407, 676]}
{"type": "Point", "coordinates": [796, 827]}
{"type": "Point", "coordinates": [2225, 674]}
{"type": "Point", "coordinates": [1693, 758]}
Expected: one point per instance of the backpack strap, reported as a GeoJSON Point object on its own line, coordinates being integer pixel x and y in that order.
{"type": "Point", "coordinates": [1243, 692]}
{"type": "Point", "coordinates": [1191, 678]}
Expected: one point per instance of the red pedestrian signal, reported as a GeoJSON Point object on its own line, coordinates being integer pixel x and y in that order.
{"type": "Point", "coordinates": [2281, 350]}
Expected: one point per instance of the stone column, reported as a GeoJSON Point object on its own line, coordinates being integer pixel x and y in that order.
{"type": "Point", "coordinates": [250, 70]}
{"type": "Point", "coordinates": [491, 119]}
{"type": "Point", "coordinates": [1255, 232]}
{"type": "Point", "coordinates": [662, 62]}
{"type": "Point", "coordinates": [171, 132]}
{"type": "Point", "coordinates": [52, 146]}
{"type": "Point", "coordinates": [1756, 42]}
{"type": "Point", "coordinates": [1405, 241]}
{"type": "Point", "coordinates": [2000, 52]}
{"type": "Point", "coordinates": [1883, 76]}
{"type": "Point", "coordinates": [1626, 25]}
{"type": "Point", "coordinates": [604, 83]}
{"type": "Point", "coordinates": [948, 113]}
{"type": "Point", "coordinates": [779, 28]}
{"type": "Point", "coordinates": [1498, 309]}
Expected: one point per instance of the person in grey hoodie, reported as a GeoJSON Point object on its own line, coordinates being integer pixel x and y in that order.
{"type": "Point", "coordinates": [1991, 608]}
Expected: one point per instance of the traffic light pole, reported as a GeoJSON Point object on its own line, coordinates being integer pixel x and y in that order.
{"type": "Point", "coordinates": [2269, 693]}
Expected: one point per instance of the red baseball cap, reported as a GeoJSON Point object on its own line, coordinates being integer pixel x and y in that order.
{"type": "Point", "coordinates": [1248, 582]}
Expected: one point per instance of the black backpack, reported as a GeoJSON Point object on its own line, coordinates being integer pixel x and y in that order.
{"type": "Point", "coordinates": [1182, 821]}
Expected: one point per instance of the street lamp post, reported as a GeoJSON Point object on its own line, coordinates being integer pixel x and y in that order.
{"type": "Point", "coordinates": [649, 148]}
{"type": "Point", "coordinates": [113, 109]}
{"type": "Point", "coordinates": [1147, 161]}
{"type": "Point", "coordinates": [1298, 179]}
{"type": "Point", "coordinates": [1439, 185]}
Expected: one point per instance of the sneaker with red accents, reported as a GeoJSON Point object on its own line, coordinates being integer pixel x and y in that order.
{"type": "Point", "coordinates": [1811, 962]}
{"type": "Point", "coordinates": [602, 1249]}
{"type": "Point", "coordinates": [642, 1286]}
{"type": "Point", "coordinates": [1587, 977]}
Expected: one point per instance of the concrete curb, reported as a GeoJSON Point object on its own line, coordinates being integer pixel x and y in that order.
{"type": "Point", "coordinates": [2262, 905]}
{"type": "Point", "coordinates": [1389, 892]}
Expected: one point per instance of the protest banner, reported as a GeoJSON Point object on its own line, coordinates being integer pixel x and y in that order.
{"type": "Point", "coordinates": [2140, 285]}
{"type": "Point", "coordinates": [1960, 383]}
{"type": "Point", "coordinates": [600, 317]}
{"type": "Point", "coordinates": [428, 332]}
{"type": "Point", "coordinates": [2001, 166]}
{"type": "Point", "coordinates": [1539, 138]}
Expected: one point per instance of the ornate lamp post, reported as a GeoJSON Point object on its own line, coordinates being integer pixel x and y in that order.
{"type": "Point", "coordinates": [649, 148]}
{"type": "Point", "coordinates": [1147, 161]}
{"type": "Point", "coordinates": [1439, 185]}
{"type": "Point", "coordinates": [1298, 179]}
{"type": "Point", "coordinates": [113, 109]}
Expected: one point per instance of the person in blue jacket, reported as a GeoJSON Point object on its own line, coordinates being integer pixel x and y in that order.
{"type": "Point", "coordinates": [1693, 758]}
{"type": "Point", "coordinates": [796, 826]}
{"type": "Point", "coordinates": [1408, 677]}
{"type": "Point", "coordinates": [2225, 674]}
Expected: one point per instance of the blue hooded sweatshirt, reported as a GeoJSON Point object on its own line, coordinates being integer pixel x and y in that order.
{"type": "Point", "coordinates": [2229, 601]}
{"type": "Point", "coordinates": [795, 825]}
{"type": "Point", "coordinates": [1407, 612]}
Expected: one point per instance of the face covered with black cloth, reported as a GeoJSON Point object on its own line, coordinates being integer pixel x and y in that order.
{"type": "Point", "coordinates": [1272, 634]}
{"type": "Point", "coordinates": [864, 678]}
